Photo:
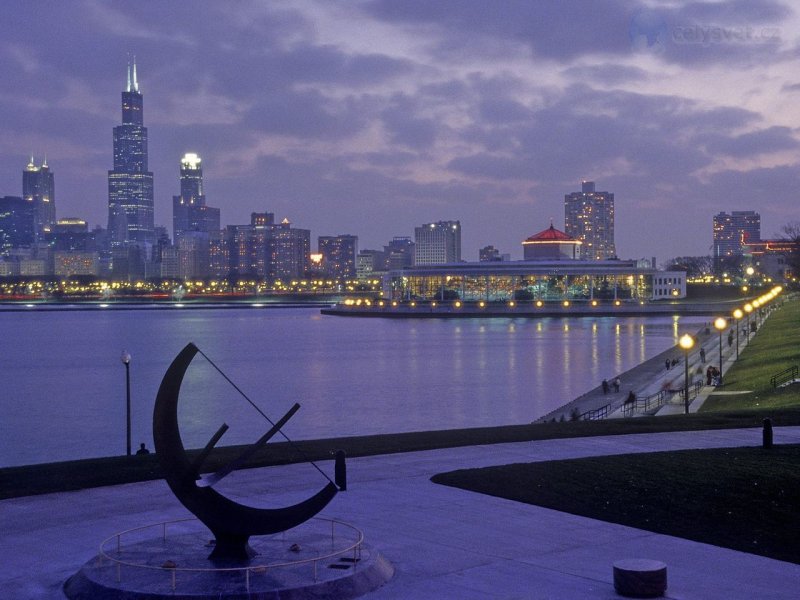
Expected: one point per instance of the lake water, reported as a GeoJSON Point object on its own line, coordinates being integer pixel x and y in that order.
{"type": "Point", "coordinates": [63, 385]}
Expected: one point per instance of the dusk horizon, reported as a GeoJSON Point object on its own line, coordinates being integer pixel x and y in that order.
{"type": "Point", "coordinates": [373, 118]}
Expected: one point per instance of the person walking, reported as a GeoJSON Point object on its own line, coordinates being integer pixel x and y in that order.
{"type": "Point", "coordinates": [605, 386]}
{"type": "Point", "coordinates": [702, 355]}
{"type": "Point", "coordinates": [617, 383]}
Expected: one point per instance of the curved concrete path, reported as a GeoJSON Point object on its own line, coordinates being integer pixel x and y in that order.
{"type": "Point", "coordinates": [444, 542]}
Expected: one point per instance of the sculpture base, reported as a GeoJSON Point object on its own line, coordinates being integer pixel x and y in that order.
{"type": "Point", "coordinates": [300, 563]}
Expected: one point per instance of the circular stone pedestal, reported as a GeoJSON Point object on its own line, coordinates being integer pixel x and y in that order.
{"type": "Point", "coordinates": [301, 563]}
{"type": "Point", "coordinates": [640, 578]}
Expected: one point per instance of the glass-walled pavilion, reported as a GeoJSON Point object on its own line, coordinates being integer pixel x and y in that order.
{"type": "Point", "coordinates": [533, 280]}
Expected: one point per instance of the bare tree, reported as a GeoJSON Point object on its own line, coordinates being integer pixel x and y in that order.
{"type": "Point", "coordinates": [791, 232]}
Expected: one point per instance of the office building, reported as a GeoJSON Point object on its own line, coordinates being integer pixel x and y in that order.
{"type": "Point", "coordinates": [130, 184]}
{"type": "Point", "coordinates": [38, 188]}
{"type": "Point", "coordinates": [17, 224]}
{"type": "Point", "coordinates": [189, 209]}
{"type": "Point", "coordinates": [338, 255]}
{"type": "Point", "coordinates": [731, 232]}
{"type": "Point", "coordinates": [437, 243]}
{"type": "Point", "coordinates": [589, 218]}
{"type": "Point", "coordinates": [399, 253]}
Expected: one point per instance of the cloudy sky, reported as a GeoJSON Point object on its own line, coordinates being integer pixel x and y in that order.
{"type": "Point", "coordinates": [371, 117]}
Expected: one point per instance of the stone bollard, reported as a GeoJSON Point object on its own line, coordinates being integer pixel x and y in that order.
{"type": "Point", "coordinates": [640, 578]}
{"type": "Point", "coordinates": [767, 434]}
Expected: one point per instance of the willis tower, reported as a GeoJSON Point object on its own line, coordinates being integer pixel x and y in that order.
{"type": "Point", "coordinates": [130, 184]}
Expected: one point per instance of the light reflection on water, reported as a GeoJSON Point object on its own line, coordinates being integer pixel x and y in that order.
{"type": "Point", "coordinates": [63, 382]}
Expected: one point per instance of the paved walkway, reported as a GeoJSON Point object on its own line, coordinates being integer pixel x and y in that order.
{"type": "Point", "coordinates": [444, 542]}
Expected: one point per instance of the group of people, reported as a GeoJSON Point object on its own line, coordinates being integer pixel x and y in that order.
{"type": "Point", "coordinates": [616, 383]}
{"type": "Point", "coordinates": [712, 375]}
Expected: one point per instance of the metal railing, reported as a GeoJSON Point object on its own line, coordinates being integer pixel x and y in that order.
{"type": "Point", "coordinates": [784, 376]}
{"type": "Point", "coordinates": [173, 571]}
{"type": "Point", "coordinates": [653, 402]}
{"type": "Point", "coordinates": [595, 414]}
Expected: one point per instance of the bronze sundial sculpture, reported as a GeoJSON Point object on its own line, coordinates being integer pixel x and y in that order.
{"type": "Point", "coordinates": [231, 523]}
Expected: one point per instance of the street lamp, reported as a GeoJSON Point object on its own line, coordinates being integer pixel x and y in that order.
{"type": "Point", "coordinates": [687, 343]}
{"type": "Point", "coordinates": [748, 308]}
{"type": "Point", "coordinates": [737, 314]}
{"type": "Point", "coordinates": [720, 324]}
{"type": "Point", "coordinates": [126, 360]}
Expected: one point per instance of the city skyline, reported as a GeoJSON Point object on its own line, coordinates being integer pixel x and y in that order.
{"type": "Point", "coordinates": [375, 117]}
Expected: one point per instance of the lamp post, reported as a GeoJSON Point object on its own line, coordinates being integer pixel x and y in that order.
{"type": "Point", "coordinates": [686, 342]}
{"type": "Point", "coordinates": [126, 360]}
{"type": "Point", "coordinates": [748, 308]}
{"type": "Point", "coordinates": [720, 324]}
{"type": "Point", "coordinates": [737, 314]}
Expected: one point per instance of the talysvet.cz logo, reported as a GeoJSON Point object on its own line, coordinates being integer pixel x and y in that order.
{"type": "Point", "coordinates": [707, 35]}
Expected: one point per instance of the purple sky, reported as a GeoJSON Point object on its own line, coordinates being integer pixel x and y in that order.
{"type": "Point", "coordinates": [373, 117]}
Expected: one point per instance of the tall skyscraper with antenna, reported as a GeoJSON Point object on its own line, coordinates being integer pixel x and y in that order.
{"type": "Point", "coordinates": [130, 184]}
{"type": "Point", "coordinates": [39, 189]}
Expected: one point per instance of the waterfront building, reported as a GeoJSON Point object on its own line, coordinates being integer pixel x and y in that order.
{"type": "Point", "coordinates": [170, 263]}
{"type": "Point", "coordinates": [731, 232]}
{"type": "Point", "coordinates": [261, 250]}
{"type": "Point", "coordinates": [551, 244]}
{"type": "Point", "coordinates": [189, 209]}
{"type": "Point", "coordinates": [338, 255]}
{"type": "Point", "coordinates": [289, 251]}
{"type": "Point", "coordinates": [399, 252]}
{"type": "Point", "coordinates": [68, 263]}
{"type": "Point", "coordinates": [39, 189]}
{"type": "Point", "coordinates": [130, 183]}
{"type": "Point", "coordinates": [589, 218]}
{"type": "Point", "coordinates": [71, 235]}
{"type": "Point", "coordinates": [370, 264]}
{"type": "Point", "coordinates": [17, 224]}
{"type": "Point", "coordinates": [771, 260]}
{"type": "Point", "coordinates": [545, 280]}
{"type": "Point", "coordinates": [437, 243]}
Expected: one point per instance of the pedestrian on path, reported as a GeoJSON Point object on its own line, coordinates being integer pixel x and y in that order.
{"type": "Point", "coordinates": [666, 363]}
{"type": "Point", "coordinates": [702, 355]}
{"type": "Point", "coordinates": [605, 386]}
{"type": "Point", "coordinates": [730, 339]}
{"type": "Point", "coordinates": [617, 383]}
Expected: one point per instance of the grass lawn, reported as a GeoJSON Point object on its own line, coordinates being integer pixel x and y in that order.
{"type": "Point", "coordinates": [774, 348]}
{"type": "Point", "coordinates": [740, 498]}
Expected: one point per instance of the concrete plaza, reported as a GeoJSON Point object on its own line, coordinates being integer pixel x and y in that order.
{"type": "Point", "coordinates": [443, 542]}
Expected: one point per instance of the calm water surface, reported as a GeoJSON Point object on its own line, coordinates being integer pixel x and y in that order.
{"type": "Point", "coordinates": [63, 390]}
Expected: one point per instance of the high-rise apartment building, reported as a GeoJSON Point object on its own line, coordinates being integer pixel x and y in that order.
{"type": "Point", "coordinates": [39, 189]}
{"type": "Point", "coordinates": [189, 209]}
{"type": "Point", "coordinates": [589, 218]}
{"type": "Point", "coordinates": [261, 250]}
{"type": "Point", "coordinates": [338, 255]}
{"type": "Point", "coordinates": [731, 233]}
{"type": "Point", "coordinates": [437, 243]}
{"type": "Point", "coordinates": [130, 184]}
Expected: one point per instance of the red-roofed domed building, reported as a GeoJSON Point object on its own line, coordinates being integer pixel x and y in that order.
{"type": "Point", "coordinates": [551, 244]}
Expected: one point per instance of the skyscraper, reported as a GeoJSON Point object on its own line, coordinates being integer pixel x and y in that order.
{"type": "Point", "coordinates": [338, 255]}
{"type": "Point", "coordinates": [189, 209]}
{"type": "Point", "coordinates": [437, 243]}
{"type": "Point", "coordinates": [39, 189]}
{"type": "Point", "coordinates": [589, 218]}
{"type": "Point", "coordinates": [130, 184]}
{"type": "Point", "coordinates": [17, 221]}
{"type": "Point", "coordinates": [731, 233]}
